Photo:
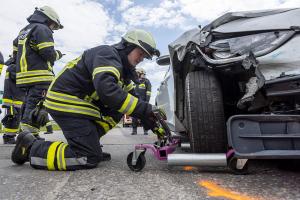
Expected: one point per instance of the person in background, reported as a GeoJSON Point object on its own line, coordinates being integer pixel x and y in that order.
{"type": "Point", "coordinates": [142, 91]}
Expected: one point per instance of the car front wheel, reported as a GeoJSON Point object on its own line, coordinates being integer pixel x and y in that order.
{"type": "Point", "coordinates": [204, 112]}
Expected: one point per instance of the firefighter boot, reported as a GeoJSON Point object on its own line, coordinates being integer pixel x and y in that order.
{"type": "Point", "coordinates": [9, 139]}
{"type": "Point", "coordinates": [105, 156]}
{"type": "Point", "coordinates": [134, 131]}
{"type": "Point", "coordinates": [20, 154]}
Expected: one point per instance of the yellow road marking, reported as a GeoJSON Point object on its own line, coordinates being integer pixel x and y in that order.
{"type": "Point", "coordinates": [217, 191]}
{"type": "Point", "coordinates": [188, 168]}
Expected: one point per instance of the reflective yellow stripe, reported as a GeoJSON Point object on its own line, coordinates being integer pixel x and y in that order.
{"type": "Point", "coordinates": [112, 70]}
{"type": "Point", "coordinates": [72, 109]}
{"type": "Point", "coordinates": [95, 96]}
{"type": "Point", "coordinates": [133, 105]}
{"type": "Point", "coordinates": [15, 48]}
{"type": "Point", "coordinates": [35, 79]}
{"type": "Point", "coordinates": [19, 103]}
{"type": "Point", "coordinates": [69, 99]}
{"type": "Point", "coordinates": [11, 130]}
{"type": "Point", "coordinates": [57, 55]}
{"type": "Point", "coordinates": [12, 102]}
{"type": "Point", "coordinates": [48, 123]}
{"type": "Point", "coordinates": [33, 129]}
{"type": "Point", "coordinates": [50, 68]}
{"type": "Point", "coordinates": [148, 93]}
{"type": "Point", "coordinates": [34, 73]}
{"type": "Point", "coordinates": [110, 120]}
{"type": "Point", "coordinates": [128, 105]}
{"type": "Point", "coordinates": [129, 87]}
{"type": "Point", "coordinates": [64, 166]}
{"type": "Point", "coordinates": [23, 61]}
{"type": "Point", "coordinates": [1, 66]}
{"type": "Point", "coordinates": [51, 155]}
{"type": "Point", "coordinates": [6, 74]}
{"type": "Point", "coordinates": [44, 45]}
{"type": "Point", "coordinates": [104, 125]}
{"type": "Point", "coordinates": [58, 155]}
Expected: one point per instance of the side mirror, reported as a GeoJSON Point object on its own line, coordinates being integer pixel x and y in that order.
{"type": "Point", "coordinates": [163, 60]}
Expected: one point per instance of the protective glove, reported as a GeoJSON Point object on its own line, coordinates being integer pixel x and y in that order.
{"type": "Point", "coordinates": [160, 132]}
{"type": "Point", "coordinates": [39, 116]}
{"type": "Point", "coordinates": [152, 122]}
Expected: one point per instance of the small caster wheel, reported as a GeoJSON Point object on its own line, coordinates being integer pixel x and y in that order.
{"type": "Point", "coordinates": [238, 166]}
{"type": "Point", "coordinates": [140, 162]}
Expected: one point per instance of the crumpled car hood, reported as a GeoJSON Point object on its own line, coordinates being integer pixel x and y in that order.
{"type": "Point", "coordinates": [249, 21]}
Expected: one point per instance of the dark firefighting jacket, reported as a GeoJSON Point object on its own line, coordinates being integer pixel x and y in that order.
{"type": "Point", "coordinates": [1, 62]}
{"type": "Point", "coordinates": [12, 95]}
{"type": "Point", "coordinates": [95, 86]}
{"type": "Point", "coordinates": [143, 89]}
{"type": "Point", "coordinates": [35, 52]}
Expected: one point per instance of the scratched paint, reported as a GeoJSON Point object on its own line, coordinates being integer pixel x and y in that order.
{"type": "Point", "coordinates": [214, 190]}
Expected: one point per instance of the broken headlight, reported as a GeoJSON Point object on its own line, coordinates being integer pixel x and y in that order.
{"type": "Point", "coordinates": [256, 43]}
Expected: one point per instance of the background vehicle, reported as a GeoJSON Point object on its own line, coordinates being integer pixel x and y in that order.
{"type": "Point", "coordinates": [241, 63]}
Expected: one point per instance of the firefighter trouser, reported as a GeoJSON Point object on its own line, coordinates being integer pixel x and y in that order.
{"type": "Point", "coordinates": [34, 95]}
{"type": "Point", "coordinates": [13, 125]}
{"type": "Point", "coordinates": [83, 150]}
{"type": "Point", "coordinates": [135, 123]}
{"type": "Point", "coordinates": [12, 96]}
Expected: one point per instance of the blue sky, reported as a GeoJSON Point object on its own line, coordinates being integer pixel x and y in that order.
{"type": "Point", "coordinates": [89, 23]}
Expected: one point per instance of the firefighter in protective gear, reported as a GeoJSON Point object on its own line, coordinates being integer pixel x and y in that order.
{"type": "Point", "coordinates": [13, 98]}
{"type": "Point", "coordinates": [35, 57]}
{"type": "Point", "coordinates": [1, 62]}
{"type": "Point", "coordinates": [87, 99]}
{"type": "Point", "coordinates": [142, 91]}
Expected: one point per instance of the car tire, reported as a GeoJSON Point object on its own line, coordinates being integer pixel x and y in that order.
{"type": "Point", "coordinates": [204, 112]}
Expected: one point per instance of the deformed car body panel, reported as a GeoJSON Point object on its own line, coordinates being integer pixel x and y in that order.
{"type": "Point", "coordinates": [284, 59]}
{"type": "Point", "coordinates": [261, 21]}
{"type": "Point", "coordinates": [236, 22]}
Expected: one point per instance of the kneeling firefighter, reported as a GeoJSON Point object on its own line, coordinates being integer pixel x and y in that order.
{"type": "Point", "coordinates": [87, 99]}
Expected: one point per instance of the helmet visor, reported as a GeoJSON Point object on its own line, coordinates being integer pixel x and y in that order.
{"type": "Point", "coordinates": [149, 50]}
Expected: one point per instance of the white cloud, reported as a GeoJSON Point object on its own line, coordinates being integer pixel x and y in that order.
{"type": "Point", "coordinates": [86, 24]}
{"type": "Point", "coordinates": [124, 4]}
{"type": "Point", "coordinates": [167, 14]}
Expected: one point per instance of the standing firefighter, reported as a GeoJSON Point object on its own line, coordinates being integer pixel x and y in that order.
{"type": "Point", "coordinates": [143, 92]}
{"type": "Point", "coordinates": [35, 58]}
{"type": "Point", "coordinates": [87, 99]}
{"type": "Point", "coordinates": [13, 98]}
{"type": "Point", "coordinates": [1, 62]}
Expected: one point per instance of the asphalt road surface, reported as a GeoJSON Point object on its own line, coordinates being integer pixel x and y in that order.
{"type": "Point", "coordinates": [114, 180]}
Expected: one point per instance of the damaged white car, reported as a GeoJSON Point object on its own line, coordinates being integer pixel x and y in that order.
{"type": "Point", "coordinates": [241, 63]}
